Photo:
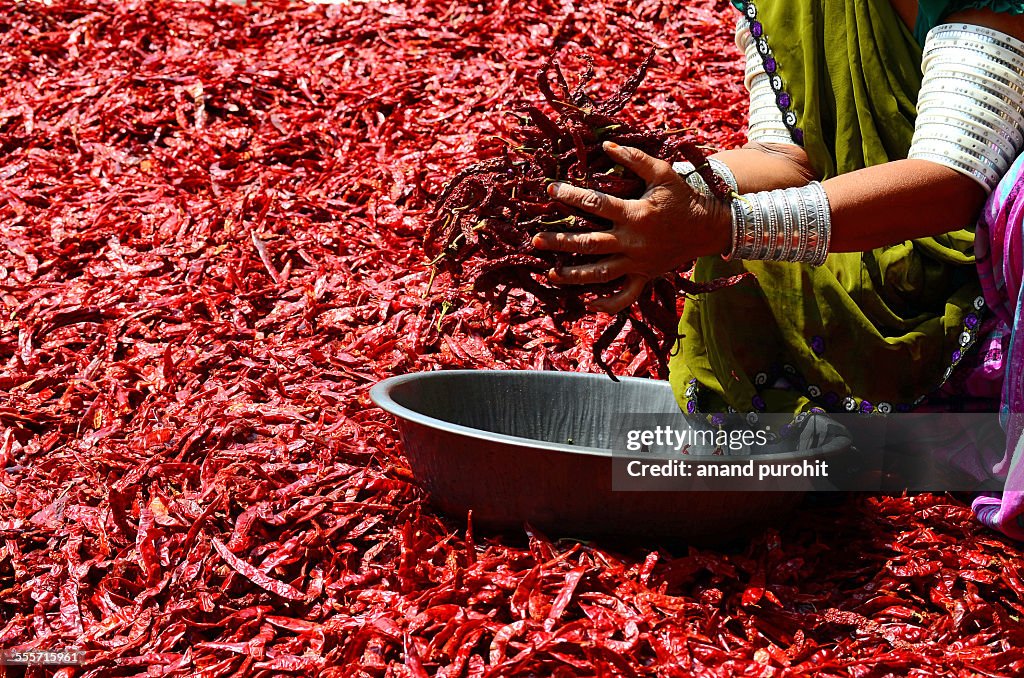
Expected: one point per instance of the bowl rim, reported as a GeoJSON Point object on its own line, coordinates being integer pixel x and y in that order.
{"type": "Point", "coordinates": [380, 394]}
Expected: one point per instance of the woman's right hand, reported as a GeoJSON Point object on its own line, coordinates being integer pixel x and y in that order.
{"type": "Point", "coordinates": [665, 229]}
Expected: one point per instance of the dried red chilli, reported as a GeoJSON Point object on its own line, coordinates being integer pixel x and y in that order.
{"type": "Point", "coordinates": [159, 392]}
{"type": "Point", "coordinates": [484, 220]}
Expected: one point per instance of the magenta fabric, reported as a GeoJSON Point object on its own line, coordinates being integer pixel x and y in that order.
{"type": "Point", "coordinates": [999, 247]}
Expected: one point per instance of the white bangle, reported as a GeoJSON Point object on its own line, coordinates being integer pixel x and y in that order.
{"type": "Point", "coordinates": [696, 181]}
{"type": "Point", "coordinates": [793, 224]}
{"type": "Point", "coordinates": [765, 122]}
{"type": "Point", "coordinates": [1003, 124]}
{"type": "Point", "coordinates": [977, 34]}
{"type": "Point", "coordinates": [970, 126]}
{"type": "Point", "coordinates": [770, 135]}
{"type": "Point", "coordinates": [963, 47]}
{"type": "Point", "coordinates": [994, 69]}
{"type": "Point", "coordinates": [1010, 97]}
{"type": "Point", "coordinates": [975, 141]}
{"type": "Point", "coordinates": [961, 162]}
{"type": "Point", "coordinates": [971, 102]}
{"type": "Point", "coordinates": [742, 32]}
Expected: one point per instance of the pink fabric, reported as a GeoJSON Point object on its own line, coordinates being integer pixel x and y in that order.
{"type": "Point", "coordinates": [999, 247]}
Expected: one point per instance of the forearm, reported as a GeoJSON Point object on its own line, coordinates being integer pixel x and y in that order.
{"type": "Point", "coordinates": [898, 201]}
{"type": "Point", "coordinates": [764, 167]}
{"type": "Point", "coordinates": [904, 199]}
{"type": "Point", "coordinates": [887, 204]}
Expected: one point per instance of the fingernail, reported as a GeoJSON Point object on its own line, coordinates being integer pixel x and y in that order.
{"type": "Point", "coordinates": [553, 189]}
{"type": "Point", "coordinates": [552, 273]}
{"type": "Point", "coordinates": [611, 146]}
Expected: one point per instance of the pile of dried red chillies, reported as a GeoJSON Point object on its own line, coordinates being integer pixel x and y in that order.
{"type": "Point", "coordinates": [485, 219]}
{"type": "Point", "coordinates": [209, 249]}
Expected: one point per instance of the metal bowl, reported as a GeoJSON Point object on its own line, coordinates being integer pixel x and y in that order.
{"type": "Point", "coordinates": [497, 442]}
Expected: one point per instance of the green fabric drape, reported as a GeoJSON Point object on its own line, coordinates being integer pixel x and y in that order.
{"type": "Point", "coordinates": [930, 13]}
{"type": "Point", "coordinates": [873, 330]}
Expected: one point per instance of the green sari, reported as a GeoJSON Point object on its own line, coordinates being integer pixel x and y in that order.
{"type": "Point", "coordinates": [871, 331]}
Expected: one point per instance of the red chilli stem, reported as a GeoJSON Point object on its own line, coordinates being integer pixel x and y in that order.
{"type": "Point", "coordinates": [483, 222]}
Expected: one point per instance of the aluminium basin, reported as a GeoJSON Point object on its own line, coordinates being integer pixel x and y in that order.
{"type": "Point", "coordinates": [497, 442]}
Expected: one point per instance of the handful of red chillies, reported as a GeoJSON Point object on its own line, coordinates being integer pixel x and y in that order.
{"type": "Point", "coordinates": [483, 222]}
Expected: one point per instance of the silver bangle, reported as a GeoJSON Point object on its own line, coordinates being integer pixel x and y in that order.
{"type": "Point", "coordinates": [691, 176]}
{"type": "Point", "coordinates": [736, 247]}
{"type": "Point", "coordinates": [794, 225]}
{"type": "Point", "coordinates": [696, 181]}
{"type": "Point", "coordinates": [973, 128]}
{"type": "Point", "coordinates": [824, 232]}
{"type": "Point", "coordinates": [971, 102]}
{"type": "Point", "coordinates": [956, 75]}
{"type": "Point", "coordinates": [802, 218]}
{"type": "Point", "coordinates": [813, 223]}
{"type": "Point", "coordinates": [784, 224]}
{"type": "Point", "coordinates": [976, 142]}
{"type": "Point", "coordinates": [966, 92]}
{"type": "Point", "coordinates": [782, 245]}
{"type": "Point", "coordinates": [994, 69]}
{"type": "Point", "coordinates": [759, 223]}
{"type": "Point", "coordinates": [722, 170]}
{"type": "Point", "coordinates": [772, 226]}
{"type": "Point", "coordinates": [758, 218]}
{"type": "Point", "coordinates": [989, 39]}
{"type": "Point", "coordinates": [1003, 124]}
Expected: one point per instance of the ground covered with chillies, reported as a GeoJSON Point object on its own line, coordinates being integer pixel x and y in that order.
{"type": "Point", "coordinates": [210, 227]}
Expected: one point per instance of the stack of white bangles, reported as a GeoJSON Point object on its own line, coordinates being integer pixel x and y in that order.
{"type": "Point", "coordinates": [782, 225]}
{"type": "Point", "coordinates": [970, 112]}
{"type": "Point", "coordinates": [764, 119]}
{"type": "Point", "coordinates": [970, 119]}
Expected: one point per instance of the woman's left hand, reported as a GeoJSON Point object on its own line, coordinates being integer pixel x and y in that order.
{"type": "Point", "coordinates": [668, 227]}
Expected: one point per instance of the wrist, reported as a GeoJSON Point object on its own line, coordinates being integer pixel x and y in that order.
{"type": "Point", "coordinates": [793, 225]}
{"type": "Point", "coordinates": [718, 219]}
{"type": "Point", "coordinates": [695, 180]}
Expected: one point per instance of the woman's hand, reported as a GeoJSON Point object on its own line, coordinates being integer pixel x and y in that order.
{"type": "Point", "coordinates": [671, 225]}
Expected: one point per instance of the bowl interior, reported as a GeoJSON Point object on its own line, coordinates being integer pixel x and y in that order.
{"type": "Point", "coordinates": [553, 407]}
{"type": "Point", "coordinates": [541, 447]}
{"type": "Point", "coordinates": [580, 413]}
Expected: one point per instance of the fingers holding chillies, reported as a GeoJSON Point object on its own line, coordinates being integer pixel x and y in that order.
{"type": "Point", "coordinates": [602, 271]}
{"type": "Point", "coordinates": [595, 242]}
{"type": "Point", "coordinates": [593, 202]}
{"type": "Point", "coordinates": [642, 242]}
{"type": "Point", "coordinates": [650, 169]}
